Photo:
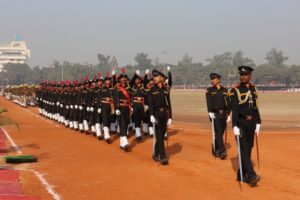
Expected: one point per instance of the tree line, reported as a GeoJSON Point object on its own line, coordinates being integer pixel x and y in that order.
{"type": "Point", "coordinates": [185, 72]}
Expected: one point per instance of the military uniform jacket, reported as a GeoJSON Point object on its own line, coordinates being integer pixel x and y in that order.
{"type": "Point", "coordinates": [244, 103]}
{"type": "Point", "coordinates": [159, 98]}
{"type": "Point", "coordinates": [120, 99]}
{"type": "Point", "coordinates": [218, 100]}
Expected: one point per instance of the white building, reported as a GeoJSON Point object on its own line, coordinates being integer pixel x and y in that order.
{"type": "Point", "coordinates": [14, 52]}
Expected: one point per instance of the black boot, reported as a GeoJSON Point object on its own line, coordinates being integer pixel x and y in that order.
{"type": "Point", "coordinates": [164, 161]}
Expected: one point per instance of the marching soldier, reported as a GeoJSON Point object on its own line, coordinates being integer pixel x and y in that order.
{"type": "Point", "coordinates": [97, 100]}
{"type": "Point", "coordinates": [148, 84]}
{"type": "Point", "coordinates": [245, 122]}
{"type": "Point", "coordinates": [218, 108]}
{"type": "Point", "coordinates": [91, 105]}
{"type": "Point", "coordinates": [160, 114]}
{"type": "Point", "coordinates": [76, 97]}
{"type": "Point", "coordinates": [106, 106]}
{"type": "Point", "coordinates": [123, 107]}
{"type": "Point", "coordinates": [138, 103]}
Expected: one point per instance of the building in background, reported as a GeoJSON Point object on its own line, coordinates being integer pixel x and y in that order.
{"type": "Point", "coordinates": [14, 52]}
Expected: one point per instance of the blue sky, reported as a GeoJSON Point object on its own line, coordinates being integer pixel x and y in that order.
{"type": "Point", "coordinates": [77, 30]}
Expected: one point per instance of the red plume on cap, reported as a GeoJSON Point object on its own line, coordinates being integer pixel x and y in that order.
{"type": "Point", "coordinates": [95, 77]}
{"type": "Point", "coordinates": [87, 77]}
{"type": "Point", "coordinates": [123, 70]}
{"type": "Point", "coordinates": [99, 74]}
{"type": "Point", "coordinates": [107, 74]}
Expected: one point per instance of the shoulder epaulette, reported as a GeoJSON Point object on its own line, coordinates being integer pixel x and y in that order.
{"type": "Point", "coordinates": [236, 85]}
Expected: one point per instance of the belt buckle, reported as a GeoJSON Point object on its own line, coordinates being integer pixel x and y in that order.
{"type": "Point", "coordinates": [249, 117]}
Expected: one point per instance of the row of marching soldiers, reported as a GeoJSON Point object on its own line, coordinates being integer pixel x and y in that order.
{"type": "Point", "coordinates": [111, 104]}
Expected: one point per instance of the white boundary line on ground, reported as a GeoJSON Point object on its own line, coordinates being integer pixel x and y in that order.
{"type": "Point", "coordinates": [40, 176]}
{"type": "Point", "coordinates": [13, 144]}
{"type": "Point", "coordinates": [48, 121]}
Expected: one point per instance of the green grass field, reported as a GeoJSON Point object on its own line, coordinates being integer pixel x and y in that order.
{"type": "Point", "coordinates": [278, 110]}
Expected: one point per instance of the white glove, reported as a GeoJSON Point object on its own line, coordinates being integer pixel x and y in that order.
{"type": "Point", "coordinates": [113, 72]}
{"type": "Point", "coordinates": [71, 106]}
{"type": "Point", "coordinates": [61, 105]}
{"type": "Point", "coordinates": [99, 110]}
{"type": "Point", "coordinates": [67, 107]}
{"type": "Point", "coordinates": [168, 68]}
{"type": "Point", "coordinates": [91, 109]}
{"type": "Point", "coordinates": [80, 108]}
{"type": "Point", "coordinates": [118, 112]}
{"type": "Point", "coordinates": [211, 115]}
{"type": "Point", "coordinates": [147, 71]}
{"type": "Point", "coordinates": [152, 119]}
{"type": "Point", "coordinates": [257, 129]}
{"type": "Point", "coordinates": [88, 109]}
{"type": "Point", "coordinates": [146, 107]}
{"type": "Point", "coordinates": [76, 106]}
{"type": "Point", "coordinates": [138, 72]}
{"type": "Point", "coordinates": [37, 98]}
{"type": "Point", "coordinates": [228, 119]}
{"type": "Point", "coordinates": [57, 103]}
{"type": "Point", "coordinates": [169, 122]}
{"type": "Point", "coordinates": [236, 131]}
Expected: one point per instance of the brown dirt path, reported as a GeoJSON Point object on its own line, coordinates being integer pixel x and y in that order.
{"type": "Point", "coordinates": [82, 167]}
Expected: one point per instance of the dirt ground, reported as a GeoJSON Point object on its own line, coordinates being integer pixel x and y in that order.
{"type": "Point", "coordinates": [81, 167]}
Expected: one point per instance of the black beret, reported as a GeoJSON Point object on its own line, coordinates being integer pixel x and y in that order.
{"type": "Point", "coordinates": [107, 78]}
{"type": "Point", "coordinates": [123, 76]}
{"type": "Point", "coordinates": [158, 73]}
{"type": "Point", "coordinates": [245, 69]}
{"type": "Point", "coordinates": [214, 75]}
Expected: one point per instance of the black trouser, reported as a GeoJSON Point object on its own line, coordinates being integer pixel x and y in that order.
{"type": "Point", "coordinates": [147, 119]}
{"type": "Point", "coordinates": [74, 114]}
{"type": "Point", "coordinates": [138, 114]}
{"type": "Point", "coordinates": [219, 127]}
{"type": "Point", "coordinates": [247, 129]}
{"type": "Point", "coordinates": [67, 113]}
{"type": "Point", "coordinates": [98, 118]}
{"type": "Point", "coordinates": [92, 117]}
{"type": "Point", "coordinates": [106, 114]}
{"type": "Point", "coordinates": [82, 114]}
{"type": "Point", "coordinates": [160, 130]}
{"type": "Point", "coordinates": [124, 120]}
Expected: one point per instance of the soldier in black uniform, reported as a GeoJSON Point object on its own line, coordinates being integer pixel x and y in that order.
{"type": "Point", "coordinates": [245, 121]}
{"type": "Point", "coordinates": [218, 107]}
{"type": "Point", "coordinates": [97, 101]}
{"type": "Point", "coordinates": [138, 97]}
{"type": "Point", "coordinates": [91, 105]}
{"type": "Point", "coordinates": [83, 125]}
{"type": "Point", "coordinates": [76, 100]}
{"type": "Point", "coordinates": [106, 105]}
{"type": "Point", "coordinates": [122, 98]}
{"type": "Point", "coordinates": [148, 84]}
{"type": "Point", "coordinates": [160, 114]}
{"type": "Point", "coordinates": [168, 83]}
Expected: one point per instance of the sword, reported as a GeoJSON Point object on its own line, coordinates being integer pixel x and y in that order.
{"type": "Point", "coordinates": [154, 138]}
{"type": "Point", "coordinates": [257, 151]}
{"type": "Point", "coordinates": [213, 138]}
{"type": "Point", "coordinates": [240, 157]}
{"type": "Point", "coordinates": [226, 138]}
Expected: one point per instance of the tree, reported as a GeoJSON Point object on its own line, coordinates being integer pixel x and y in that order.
{"type": "Point", "coordinates": [17, 73]}
{"type": "Point", "coordinates": [239, 59]}
{"type": "Point", "coordinates": [104, 63]}
{"type": "Point", "coordinates": [143, 62]}
{"type": "Point", "coordinates": [186, 61]}
{"type": "Point", "coordinates": [276, 58]}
